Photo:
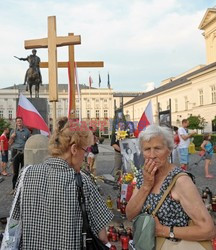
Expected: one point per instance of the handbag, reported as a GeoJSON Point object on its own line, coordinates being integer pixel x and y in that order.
{"type": "Point", "coordinates": [89, 240]}
{"type": "Point", "coordinates": [145, 240]}
{"type": "Point", "coordinates": [12, 235]}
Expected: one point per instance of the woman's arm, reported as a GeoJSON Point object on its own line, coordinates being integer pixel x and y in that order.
{"type": "Point", "coordinates": [203, 145]}
{"type": "Point", "coordinates": [102, 235]}
{"type": "Point", "coordinates": [187, 194]}
{"type": "Point", "coordinates": [139, 196]}
{"type": "Point", "coordinates": [116, 147]}
{"type": "Point", "coordinates": [136, 202]}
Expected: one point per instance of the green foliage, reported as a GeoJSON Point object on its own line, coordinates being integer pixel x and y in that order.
{"type": "Point", "coordinates": [3, 124]}
{"type": "Point", "coordinates": [214, 121]}
{"type": "Point", "coordinates": [196, 122]}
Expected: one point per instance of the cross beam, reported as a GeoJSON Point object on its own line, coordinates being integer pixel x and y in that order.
{"type": "Point", "coordinates": [52, 42]}
{"type": "Point", "coordinates": [79, 65]}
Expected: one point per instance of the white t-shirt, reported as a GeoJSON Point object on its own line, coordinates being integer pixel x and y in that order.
{"type": "Point", "coordinates": [183, 143]}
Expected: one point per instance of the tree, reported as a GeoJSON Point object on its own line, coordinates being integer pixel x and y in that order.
{"type": "Point", "coordinates": [196, 122]}
{"type": "Point", "coordinates": [3, 124]}
{"type": "Point", "coordinates": [214, 121]}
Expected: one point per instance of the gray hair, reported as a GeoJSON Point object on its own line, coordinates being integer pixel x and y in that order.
{"type": "Point", "coordinates": [153, 131]}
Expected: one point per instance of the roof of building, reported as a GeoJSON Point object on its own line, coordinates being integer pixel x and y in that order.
{"type": "Point", "coordinates": [61, 87]}
{"type": "Point", "coordinates": [173, 83]}
{"type": "Point", "coordinates": [126, 94]}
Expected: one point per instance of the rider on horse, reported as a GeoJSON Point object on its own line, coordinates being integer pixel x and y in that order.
{"type": "Point", "coordinates": [34, 63]}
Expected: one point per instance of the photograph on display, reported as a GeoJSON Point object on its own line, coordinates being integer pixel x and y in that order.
{"type": "Point", "coordinates": [165, 118]}
{"type": "Point", "coordinates": [131, 154]}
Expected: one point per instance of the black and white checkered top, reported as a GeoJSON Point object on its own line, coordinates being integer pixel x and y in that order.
{"type": "Point", "coordinates": [51, 213]}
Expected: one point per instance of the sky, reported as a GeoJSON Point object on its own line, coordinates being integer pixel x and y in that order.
{"type": "Point", "coordinates": [141, 42]}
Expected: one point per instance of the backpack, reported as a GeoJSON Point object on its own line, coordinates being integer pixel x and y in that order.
{"type": "Point", "coordinates": [94, 149]}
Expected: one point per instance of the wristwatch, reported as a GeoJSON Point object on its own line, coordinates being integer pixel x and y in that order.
{"type": "Point", "coordinates": [171, 234]}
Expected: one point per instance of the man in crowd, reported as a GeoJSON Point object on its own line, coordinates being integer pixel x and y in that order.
{"type": "Point", "coordinates": [184, 143]}
{"type": "Point", "coordinates": [18, 138]}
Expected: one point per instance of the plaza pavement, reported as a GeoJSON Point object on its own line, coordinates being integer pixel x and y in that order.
{"type": "Point", "coordinates": [105, 163]}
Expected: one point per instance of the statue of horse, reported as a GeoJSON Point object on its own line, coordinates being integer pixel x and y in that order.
{"type": "Point", "coordinates": [33, 78]}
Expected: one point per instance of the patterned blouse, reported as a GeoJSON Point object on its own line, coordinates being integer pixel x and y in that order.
{"type": "Point", "coordinates": [171, 212]}
{"type": "Point", "coordinates": [51, 213]}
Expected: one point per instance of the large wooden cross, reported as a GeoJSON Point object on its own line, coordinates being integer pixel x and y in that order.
{"type": "Point", "coordinates": [71, 59]}
{"type": "Point", "coordinates": [51, 42]}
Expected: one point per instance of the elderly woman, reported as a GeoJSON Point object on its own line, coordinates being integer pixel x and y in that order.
{"type": "Point", "coordinates": [184, 201]}
{"type": "Point", "coordinates": [51, 213]}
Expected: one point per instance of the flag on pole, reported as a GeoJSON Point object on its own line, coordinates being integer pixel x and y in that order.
{"type": "Point", "coordinates": [108, 81]}
{"type": "Point", "coordinates": [78, 90]}
{"type": "Point", "coordinates": [30, 115]}
{"type": "Point", "coordinates": [99, 81]}
{"type": "Point", "coordinates": [70, 94]}
{"type": "Point", "coordinates": [90, 81]}
{"type": "Point", "coordinates": [145, 120]}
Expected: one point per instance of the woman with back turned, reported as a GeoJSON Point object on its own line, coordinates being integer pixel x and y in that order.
{"type": "Point", "coordinates": [51, 214]}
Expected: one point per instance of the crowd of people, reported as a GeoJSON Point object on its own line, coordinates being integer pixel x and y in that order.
{"type": "Point", "coordinates": [50, 194]}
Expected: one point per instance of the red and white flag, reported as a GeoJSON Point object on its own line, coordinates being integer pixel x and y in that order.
{"type": "Point", "coordinates": [145, 120]}
{"type": "Point", "coordinates": [90, 81]}
{"type": "Point", "coordinates": [30, 115]}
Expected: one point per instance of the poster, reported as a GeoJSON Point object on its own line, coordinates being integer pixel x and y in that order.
{"type": "Point", "coordinates": [131, 154]}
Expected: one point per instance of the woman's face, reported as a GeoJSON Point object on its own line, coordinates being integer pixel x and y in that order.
{"type": "Point", "coordinates": [78, 154]}
{"type": "Point", "coordinates": [156, 150]}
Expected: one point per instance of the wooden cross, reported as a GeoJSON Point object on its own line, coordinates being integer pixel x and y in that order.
{"type": "Point", "coordinates": [72, 68]}
{"type": "Point", "coordinates": [51, 42]}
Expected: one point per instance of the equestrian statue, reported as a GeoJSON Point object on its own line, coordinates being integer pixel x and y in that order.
{"type": "Point", "coordinates": [33, 74]}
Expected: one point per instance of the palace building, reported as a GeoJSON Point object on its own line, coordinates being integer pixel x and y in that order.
{"type": "Point", "coordinates": [191, 93]}
{"type": "Point", "coordinates": [95, 103]}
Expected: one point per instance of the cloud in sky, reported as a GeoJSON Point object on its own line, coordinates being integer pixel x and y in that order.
{"type": "Point", "coordinates": [139, 41]}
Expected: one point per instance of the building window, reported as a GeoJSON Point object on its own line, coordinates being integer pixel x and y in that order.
{"type": "Point", "coordinates": [77, 113]}
{"type": "Point", "coordinates": [105, 113]}
{"type": "Point", "coordinates": [186, 102]}
{"type": "Point", "coordinates": [176, 105]}
{"type": "Point", "coordinates": [105, 100]}
{"type": "Point", "coordinates": [1, 113]}
{"type": "Point", "coordinates": [159, 107]}
{"type": "Point", "coordinates": [201, 97]}
{"type": "Point", "coordinates": [10, 114]}
{"type": "Point", "coordinates": [59, 113]}
{"type": "Point", "coordinates": [97, 113]}
{"type": "Point", "coordinates": [88, 114]}
{"type": "Point", "coordinates": [213, 93]}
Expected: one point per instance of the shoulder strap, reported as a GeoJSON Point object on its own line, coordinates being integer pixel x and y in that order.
{"type": "Point", "coordinates": [167, 192]}
{"type": "Point", "coordinates": [81, 199]}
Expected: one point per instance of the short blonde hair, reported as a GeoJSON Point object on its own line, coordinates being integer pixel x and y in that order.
{"type": "Point", "coordinates": [65, 135]}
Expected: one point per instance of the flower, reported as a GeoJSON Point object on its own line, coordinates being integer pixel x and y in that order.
{"type": "Point", "coordinates": [121, 134]}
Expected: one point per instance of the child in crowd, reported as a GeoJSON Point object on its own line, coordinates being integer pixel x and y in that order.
{"type": "Point", "coordinates": [209, 151]}
{"type": "Point", "coordinates": [4, 151]}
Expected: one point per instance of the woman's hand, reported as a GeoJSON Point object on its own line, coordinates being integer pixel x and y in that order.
{"type": "Point", "coordinates": [149, 173]}
{"type": "Point", "coordinates": [160, 230]}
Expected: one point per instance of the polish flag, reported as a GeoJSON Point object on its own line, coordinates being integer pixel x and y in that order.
{"type": "Point", "coordinates": [145, 120]}
{"type": "Point", "coordinates": [31, 117]}
{"type": "Point", "coordinates": [90, 81]}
